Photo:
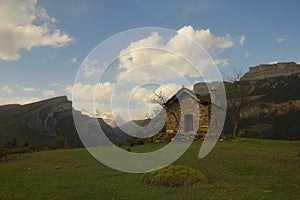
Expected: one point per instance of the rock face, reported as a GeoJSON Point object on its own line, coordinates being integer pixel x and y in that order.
{"type": "Point", "coordinates": [271, 71]}
{"type": "Point", "coordinates": [269, 106]}
{"type": "Point", "coordinates": [38, 123]}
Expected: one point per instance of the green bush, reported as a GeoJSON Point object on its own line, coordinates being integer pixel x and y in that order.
{"type": "Point", "coordinates": [174, 176]}
{"type": "Point", "coordinates": [58, 143]}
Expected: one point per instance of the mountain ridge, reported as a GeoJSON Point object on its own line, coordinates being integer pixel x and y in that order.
{"type": "Point", "coordinates": [269, 108]}
{"type": "Point", "coordinates": [40, 122]}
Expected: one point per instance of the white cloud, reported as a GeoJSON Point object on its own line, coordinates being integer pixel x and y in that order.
{"type": "Point", "coordinates": [131, 114]}
{"type": "Point", "coordinates": [19, 31]}
{"type": "Point", "coordinates": [48, 93]}
{"type": "Point", "coordinates": [91, 68]}
{"type": "Point", "coordinates": [143, 96]}
{"type": "Point", "coordinates": [57, 85]}
{"type": "Point", "coordinates": [138, 94]}
{"type": "Point", "coordinates": [29, 89]}
{"type": "Point", "coordinates": [7, 89]}
{"type": "Point", "coordinates": [170, 63]}
{"type": "Point", "coordinates": [45, 93]}
{"type": "Point", "coordinates": [150, 65]}
{"type": "Point", "coordinates": [54, 84]}
{"type": "Point", "coordinates": [212, 44]}
{"type": "Point", "coordinates": [73, 60]}
{"type": "Point", "coordinates": [242, 40]}
{"type": "Point", "coordinates": [103, 91]}
{"type": "Point", "coordinates": [92, 108]}
{"type": "Point", "coordinates": [17, 100]}
{"type": "Point", "coordinates": [279, 40]}
{"type": "Point", "coordinates": [169, 89]}
{"type": "Point", "coordinates": [84, 95]}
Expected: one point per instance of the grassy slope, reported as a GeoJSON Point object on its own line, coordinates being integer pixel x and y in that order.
{"type": "Point", "coordinates": [242, 169]}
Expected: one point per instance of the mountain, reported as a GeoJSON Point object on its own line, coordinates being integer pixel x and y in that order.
{"type": "Point", "coordinates": [40, 122]}
{"type": "Point", "coordinates": [268, 101]}
{"type": "Point", "coordinates": [265, 103]}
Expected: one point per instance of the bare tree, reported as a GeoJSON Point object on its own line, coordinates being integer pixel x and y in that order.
{"type": "Point", "coordinates": [161, 99]}
{"type": "Point", "coordinates": [235, 75]}
{"type": "Point", "coordinates": [236, 92]}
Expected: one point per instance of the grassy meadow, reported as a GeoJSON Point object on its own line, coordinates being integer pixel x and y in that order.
{"type": "Point", "coordinates": [235, 169]}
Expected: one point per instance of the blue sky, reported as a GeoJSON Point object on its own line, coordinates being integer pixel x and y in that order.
{"type": "Point", "coordinates": [46, 65]}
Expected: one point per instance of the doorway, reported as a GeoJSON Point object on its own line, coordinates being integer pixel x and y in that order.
{"type": "Point", "coordinates": [188, 122]}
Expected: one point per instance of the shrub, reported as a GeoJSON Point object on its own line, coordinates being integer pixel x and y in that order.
{"type": "Point", "coordinates": [58, 143]}
{"type": "Point", "coordinates": [25, 144]}
{"type": "Point", "coordinates": [11, 147]}
{"type": "Point", "coordinates": [11, 143]}
{"type": "Point", "coordinates": [135, 141]}
{"type": "Point", "coordinates": [174, 176]}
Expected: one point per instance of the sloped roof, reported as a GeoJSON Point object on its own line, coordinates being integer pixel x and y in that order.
{"type": "Point", "coordinates": [191, 93]}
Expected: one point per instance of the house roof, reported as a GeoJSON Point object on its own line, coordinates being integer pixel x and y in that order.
{"type": "Point", "coordinates": [191, 93]}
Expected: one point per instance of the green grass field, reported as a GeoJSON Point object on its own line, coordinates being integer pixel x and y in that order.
{"type": "Point", "coordinates": [237, 169]}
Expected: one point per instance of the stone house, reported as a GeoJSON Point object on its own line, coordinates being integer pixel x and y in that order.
{"type": "Point", "coordinates": [188, 111]}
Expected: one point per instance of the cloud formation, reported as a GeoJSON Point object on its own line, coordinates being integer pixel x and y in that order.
{"type": "Point", "coordinates": [134, 55]}
{"type": "Point", "coordinates": [17, 100]}
{"type": "Point", "coordinates": [30, 89]}
{"type": "Point", "coordinates": [24, 25]}
{"type": "Point", "coordinates": [157, 62]}
{"type": "Point", "coordinates": [92, 68]}
{"type": "Point", "coordinates": [7, 89]}
{"type": "Point", "coordinates": [144, 95]}
{"type": "Point", "coordinates": [101, 91]}
{"type": "Point", "coordinates": [242, 39]}
{"type": "Point", "coordinates": [48, 93]}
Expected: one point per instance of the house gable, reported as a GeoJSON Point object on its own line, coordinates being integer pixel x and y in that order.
{"type": "Point", "coordinates": [194, 118]}
{"type": "Point", "coordinates": [181, 92]}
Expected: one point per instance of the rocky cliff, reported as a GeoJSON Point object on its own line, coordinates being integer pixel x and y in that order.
{"type": "Point", "coordinates": [266, 71]}
{"type": "Point", "coordinates": [268, 98]}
